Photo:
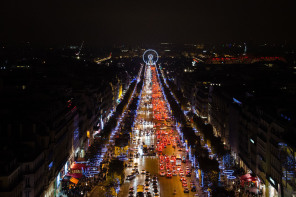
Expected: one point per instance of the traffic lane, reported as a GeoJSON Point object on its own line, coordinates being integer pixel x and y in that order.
{"type": "Point", "coordinates": [165, 188]}
{"type": "Point", "coordinates": [168, 185]}
{"type": "Point", "coordinates": [148, 163]}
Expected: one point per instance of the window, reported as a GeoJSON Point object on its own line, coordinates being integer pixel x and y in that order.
{"type": "Point", "coordinates": [27, 193]}
{"type": "Point", "coordinates": [27, 181]}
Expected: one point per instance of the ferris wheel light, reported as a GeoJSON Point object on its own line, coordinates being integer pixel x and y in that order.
{"type": "Point", "coordinates": [150, 57]}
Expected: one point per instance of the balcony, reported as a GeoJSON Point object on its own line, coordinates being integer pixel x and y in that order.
{"type": "Point", "coordinates": [262, 138]}
{"type": "Point", "coordinates": [260, 144]}
{"type": "Point", "coordinates": [262, 128]}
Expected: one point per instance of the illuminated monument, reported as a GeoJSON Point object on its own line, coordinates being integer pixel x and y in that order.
{"type": "Point", "coordinates": [150, 57]}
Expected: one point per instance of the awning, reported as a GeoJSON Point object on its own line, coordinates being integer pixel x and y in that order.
{"type": "Point", "coordinates": [78, 166]}
{"type": "Point", "coordinates": [75, 175]}
{"type": "Point", "coordinates": [74, 180]}
{"type": "Point", "coordinates": [246, 176]}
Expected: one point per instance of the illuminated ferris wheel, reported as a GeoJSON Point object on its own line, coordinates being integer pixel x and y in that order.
{"type": "Point", "coordinates": [150, 57]}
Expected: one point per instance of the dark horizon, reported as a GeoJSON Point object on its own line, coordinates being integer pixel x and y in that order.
{"type": "Point", "coordinates": [104, 23]}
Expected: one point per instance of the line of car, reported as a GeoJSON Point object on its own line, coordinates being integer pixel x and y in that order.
{"type": "Point", "coordinates": [149, 189]}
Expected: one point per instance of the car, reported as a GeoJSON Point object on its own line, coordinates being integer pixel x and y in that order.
{"type": "Point", "coordinates": [148, 194]}
{"type": "Point", "coordinates": [186, 190]}
{"type": "Point", "coordinates": [135, 171]}
{"type": "Point", "coordinates": [193, 189]}
{"type": "Point", "coordinates": [147, 181]}
{"type": "Point", "coordinates": [156, 194]}
{"type": "Point", "coordinates": [146, 190]}
{"type": "Point", "coordinates": [143, 172]}
{"type": "Point", "coordinates": [174, 172]}
{"type": "Point", "coordinates": [155, 191]}
{"type": "Point", "coordinates": [130, 165]}
{"type": "Point", "coordinates": [169, 175]}
{"type": "Point", "coordinates": [140, 194]}
{"type": "Point", "coordinates": [147, 173]}
{"type": "Point", "coordinates": [131, 189]}
{"type": "Point", "coordinates": [188, 174]}
{"type": "Point", "coordinates": [135, 165]}
{"type": "Point", "coordinates": [130, 195]}
{"type": "Point", "coordinates": [162, 173]}
{"type": "Point", "coordinates": [184, 184]}
{"type": "Point", "coordinates": [147, 186]}
{"type": "Point", "coordinates": [130, 177]}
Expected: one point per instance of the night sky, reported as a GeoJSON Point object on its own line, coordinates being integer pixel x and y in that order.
{"type": "Point", "coordinates": [104, 22]}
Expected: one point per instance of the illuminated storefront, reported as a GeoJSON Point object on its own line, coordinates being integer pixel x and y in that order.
{"type": "Point", "coordinates": [59, 177]}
